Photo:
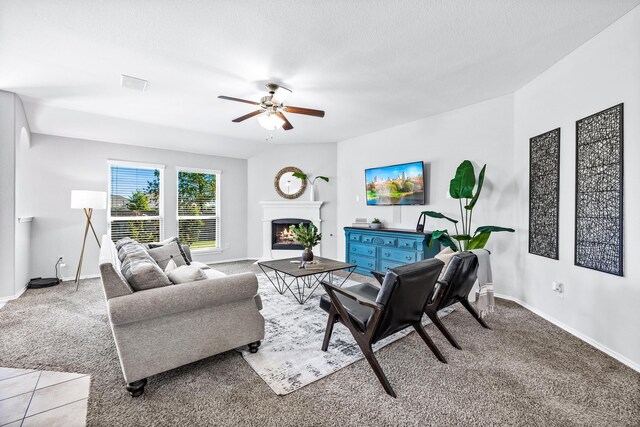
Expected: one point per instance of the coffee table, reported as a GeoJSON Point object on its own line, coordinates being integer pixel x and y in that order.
{"type": "Point", "coordinates": [289, 275]}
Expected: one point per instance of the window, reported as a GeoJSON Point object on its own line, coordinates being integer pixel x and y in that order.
{"type": "Point", "coordinates": [135, 201]}
{"type": "Point", "coordinates": [198, 208]}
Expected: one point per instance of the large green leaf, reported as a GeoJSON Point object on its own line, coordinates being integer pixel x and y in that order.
{"type": "Point", "coordinates": [461, 186]}
{"type": "Point", "coordinates": [433, 214]}
{"type": "Point", "coordinates": [479, 240]}
{"type": "Point", "coordinates": [478, 190]}
{"type": "Point", "coordinates": [300, 175]}
{"type": "Point", "coordinates": [493, 228]}
{"type": "Point", "coordinates": [461, 237]}
{"type": "Point", "coordinates": [442, 236]}
{"type": "Point", "coordinates": [324, 178]}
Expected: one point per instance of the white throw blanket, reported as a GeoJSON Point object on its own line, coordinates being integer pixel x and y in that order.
{"type": "Point", "coordinates": [486, 303]}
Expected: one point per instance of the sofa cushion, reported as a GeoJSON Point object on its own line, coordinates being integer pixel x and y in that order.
{"type": "Point", "coordinates": [200, 265]}
{"type": "Point", "coordinates": [213, 273]}
{"type": "Point", "coordinates": [186, 274]}
{"type": "Point", "coordinates": [153, 245]}
{"type": "Point", "coordinates": [140, 270]}
{"type": "Point", "coordinates": [163, 254]}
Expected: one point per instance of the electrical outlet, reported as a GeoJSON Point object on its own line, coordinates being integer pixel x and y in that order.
{"type": "Point", "coordinates": [61, 261]}
{"type": "Point", "coordinates": [558, 288]}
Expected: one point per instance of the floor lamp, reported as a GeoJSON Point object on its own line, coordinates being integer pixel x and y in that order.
{"type": "Point", "coordinates": [87, 201]}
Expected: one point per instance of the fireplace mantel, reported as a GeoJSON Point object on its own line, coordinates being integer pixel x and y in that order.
{"type": "Point", "coordinates": [279, 209]}
{"type": "Point", "coordinates": [293, 204]}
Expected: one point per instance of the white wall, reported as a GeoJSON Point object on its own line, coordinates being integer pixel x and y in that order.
{"type": "Point", "coordinates": [14, 236]}
{"type": "Point", "coordinates": [601, 73]}
{"type": "Point", "coordinates": [7, 193]}
{"type": "Point", "coordinates": [482, 133]}
{"type": "Point", "coordinates": [313, 159]}
{"type": "Point", "coordinates": [22, 262]}
{"type": "Point", "coordinates": [55, 165]}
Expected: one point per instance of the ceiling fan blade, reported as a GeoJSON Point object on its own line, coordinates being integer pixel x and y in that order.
{"type": "Point", "coordinates": [229, 98]}
{"type": "Point", "coordinates": [286, 125]}
{"type": "Point", "coordinates": [305, 111]}
{"type": "Point", "coordinates": [280, 95]}
{"type": "Point", "coordinates": [247, 116]}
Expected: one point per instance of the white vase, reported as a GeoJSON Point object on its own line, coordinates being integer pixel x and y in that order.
{"type": "Point", "coordinates": [312, 192]}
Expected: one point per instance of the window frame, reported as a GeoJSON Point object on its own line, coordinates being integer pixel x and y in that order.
{"type": "Point", "coordinates": [217, 216]}
{"type": "Point", "coordinates": [137, 165]}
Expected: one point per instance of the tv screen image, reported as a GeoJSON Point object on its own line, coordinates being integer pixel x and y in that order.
{"type": "Point", "coordinates": [395, 185]}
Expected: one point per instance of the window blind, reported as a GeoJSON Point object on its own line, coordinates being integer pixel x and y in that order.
{"type": "Point", "coordinates": [198, 210]}
{"type": "Point", "coordinates": [134, 203]}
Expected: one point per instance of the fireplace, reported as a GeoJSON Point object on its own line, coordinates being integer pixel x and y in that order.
{"type": "Point", "coordinates": [281, 237]}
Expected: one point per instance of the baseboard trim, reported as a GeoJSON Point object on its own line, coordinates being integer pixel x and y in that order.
{"type": "Point", "coordinates": [228, 260]}
{"type": "Point", "coordinates": [85, 276]}
{"type": "Point", "coordinates": [620, 358]}
{"type": "Point", "coordinates": [12, 297]}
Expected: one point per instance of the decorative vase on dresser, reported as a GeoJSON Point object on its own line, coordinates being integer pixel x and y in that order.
{"type": "Point", "coordinates": [386, 248]}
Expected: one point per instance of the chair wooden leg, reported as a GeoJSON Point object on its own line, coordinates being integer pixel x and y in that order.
{"type": "Point", "coordinates": [474, 313]}
{"type": "Point", "coordinates": [427, 339]}
{"type": "Point", "coordinates": [436, 321]}
{"type": "Point", "coordinates": [333, 316]}
{"type": "Point", "coordinates": [377, 369]}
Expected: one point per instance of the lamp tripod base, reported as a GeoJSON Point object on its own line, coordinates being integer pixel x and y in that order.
{"type": "Point", "coordinates": [88, 213]}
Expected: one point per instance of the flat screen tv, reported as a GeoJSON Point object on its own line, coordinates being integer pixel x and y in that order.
{"type": "Point", "coordinates": [395, 185]}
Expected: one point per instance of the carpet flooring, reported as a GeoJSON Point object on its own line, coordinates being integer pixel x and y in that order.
{"type": "Point", "coordinates": [525, 371]}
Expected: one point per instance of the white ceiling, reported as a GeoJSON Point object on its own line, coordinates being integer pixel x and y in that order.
{"type": "Point", "coordinates": [370, 64]}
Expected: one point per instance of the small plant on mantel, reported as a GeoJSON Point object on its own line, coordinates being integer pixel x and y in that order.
{"type": "Point", "coordinates": [312, 190]}
{"type": "Point", "coordinates": [461, 187]}
{"type": "Point", "coordinates": [307, 236]}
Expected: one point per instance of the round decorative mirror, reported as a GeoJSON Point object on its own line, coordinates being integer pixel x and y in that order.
{"type": "Point", "coordinates": [287, 185]}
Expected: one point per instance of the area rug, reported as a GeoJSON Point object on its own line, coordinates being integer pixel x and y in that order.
{"type": "Point", "coordinates": [290, 356]}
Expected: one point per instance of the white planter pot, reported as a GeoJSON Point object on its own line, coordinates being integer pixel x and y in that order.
{"type": "Point", "coordinates": [312, 192]}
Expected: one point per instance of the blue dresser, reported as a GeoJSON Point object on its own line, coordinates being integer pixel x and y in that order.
{"type": "Point", "coordinates": [386, 248]}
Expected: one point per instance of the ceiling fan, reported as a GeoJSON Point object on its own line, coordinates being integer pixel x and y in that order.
{"type": "Point", "coordinates": [271, 106]}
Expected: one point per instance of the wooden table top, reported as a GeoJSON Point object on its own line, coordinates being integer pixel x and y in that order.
{"type": "Point", "coordinates": [324, 265]}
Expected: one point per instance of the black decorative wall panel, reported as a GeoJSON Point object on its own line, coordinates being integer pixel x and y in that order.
{"type": "Point", "coordinates": [544, 193]}
{"type": "Point", "coordinates": [599, 179]}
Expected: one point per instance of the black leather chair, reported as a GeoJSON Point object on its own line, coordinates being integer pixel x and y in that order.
{"type": "Point", "coordinates": [372, 313]}
{"type": "Point", "coordinates": [458, 280]}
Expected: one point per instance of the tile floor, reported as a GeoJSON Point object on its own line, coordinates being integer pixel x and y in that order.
{"type": "Point", "coordinates": [43, 398]}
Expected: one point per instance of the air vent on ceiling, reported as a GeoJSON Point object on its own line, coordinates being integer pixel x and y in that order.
{"type": "Point", "coordinates": [133, 83]}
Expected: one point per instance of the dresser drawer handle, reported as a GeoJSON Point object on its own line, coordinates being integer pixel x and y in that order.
{"type": "Point", "coordinates": [407, 244]}
{"type": "Point", "coordinates": [387, 254]}
{"type": "Point", "coordinates": [370, 265]}
{"type": "Point", "coordinates": [409, 258]}
{"type": "Point", "coordinates": [370, 251]}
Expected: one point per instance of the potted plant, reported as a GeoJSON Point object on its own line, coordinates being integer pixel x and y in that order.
{"type": "Point", "coordinates": [312, 193]}
{"type": "Point", "coordinates": [307, 236]}
{"type": "Point", "coordinates": [375, 224]}
{"type": "Point", "coordinates": [461, 187]}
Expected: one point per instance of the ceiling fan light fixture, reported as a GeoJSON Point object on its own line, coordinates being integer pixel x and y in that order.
{"type": "Point", "coordinates": [270, 121]}
{"type": "Point", "coordinates": [280, 95]}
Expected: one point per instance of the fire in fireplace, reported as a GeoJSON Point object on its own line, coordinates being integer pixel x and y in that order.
{"type": "Point", "coordinates": [281, 237]}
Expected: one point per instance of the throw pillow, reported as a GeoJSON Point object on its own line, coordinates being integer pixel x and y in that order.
{"type": "Point", "coordinates": [140, 270]}
{"type": "Point", "coordinates": [171, 265]}
{"type": "Point", "coordinates": [123, 242]}
{"type": "Point", "coordinates": [163, 254]}
{"type": "Point", "coordinates": [445, 256]}
{"type": "Point", "coordinates": [186, 274]}
{"type": "Point", "coordinates": [153, 245]}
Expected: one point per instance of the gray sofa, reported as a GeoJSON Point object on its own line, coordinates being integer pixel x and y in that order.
{"type": "Point", "coordinates": [159, 329]}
